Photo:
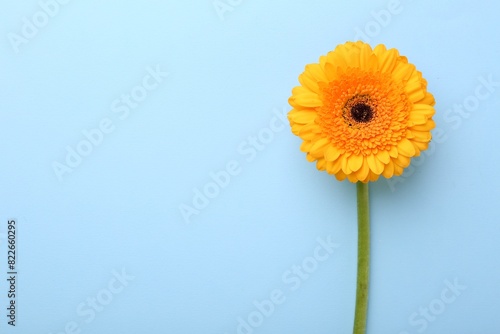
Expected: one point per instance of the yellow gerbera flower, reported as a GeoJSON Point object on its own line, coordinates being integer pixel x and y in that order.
{"type": "Point", "coordinates": [362, 112]}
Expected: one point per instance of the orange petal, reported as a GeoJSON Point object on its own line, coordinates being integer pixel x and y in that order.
{"type": "Point", "coordinates": [321, 164]}
{"type": "Point", "coordinates": [427, 126]}
{"type": "Point", "coordinates": [423, 109]}
{"type": "Point", "coordinates": [398, 170]}
{"type": "Point", "coordinates": [393, 152]}
{"type": "Point", "coordinates": [389, 170]}
{"type": "Point", "coordinates": [308, 82]}
{"type": "Point", "coordinates": [352, 178]}
{"type": "Point", "coordinates": [330, 71]}
{"type": "Point", "coordinates": [303, 117]}
{"type": "Point", "coordinates": [331, 153]}
{"type": "Point", "coordinates": [402, 161]}
{"type": "Point", "coordinates": [421, 146]}
{"type": "Point", "coordinates": [422, 137]}
{"type": "Point", "coordinates": [307, 100]}
{"type": "Point", "coordinates": [355, 162]}
{"type": "Point", "coordinates": [384, 157]}
{"type": "Point", "coordinates": [316, 72]}
{"type": "Point", "coordinates": [319, 145]}
{"type": "Point", "coordinates": [386, 58]}
{"type": "Point", "coordinates": [406, 147]}
{"type": "Point", "coordinates": [373, 177]}
{"type": "Point", "coordinates": [375, 165]}
{"type": "Point", "coordinates": [403, 70]}
{"type": "Point", "coordinates": [305, 146]}
{"type": "Point", "coordinates": [363, 171]}
{"type": "Point", "coordinates": [340, 176]}
{"type": "Point", "coordinates": [336, 166]}
{"type": "Point", "coordinates": [417, 119]}
{"type": "Point", "coordinates": [335, 59]}
{"type": "Point", "coordinates": [345, 166]}
{"type": "Point", "coordinates": [414, 90]}
{"type": "Point", "coordinates": [428, 99]}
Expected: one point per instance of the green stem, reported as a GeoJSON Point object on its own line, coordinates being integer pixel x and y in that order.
{"type": "Point", "coordinates": [363, 259]}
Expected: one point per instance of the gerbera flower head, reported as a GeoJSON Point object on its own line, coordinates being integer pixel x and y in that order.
{"type": "Point", "coordinates": [362, 112]}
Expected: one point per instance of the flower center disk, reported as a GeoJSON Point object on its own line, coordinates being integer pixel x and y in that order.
{"type": "Point", "coordinates": [361, 113]}
{"type": "Point", "coordinates": [359, 110]}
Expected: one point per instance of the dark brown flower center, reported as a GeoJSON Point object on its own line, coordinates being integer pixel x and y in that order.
{"type": "Point", "coordinates": [361, 112]}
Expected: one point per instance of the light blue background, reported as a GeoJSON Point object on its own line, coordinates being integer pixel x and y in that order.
{"type": "Point", "coordinates": [120, 208]}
